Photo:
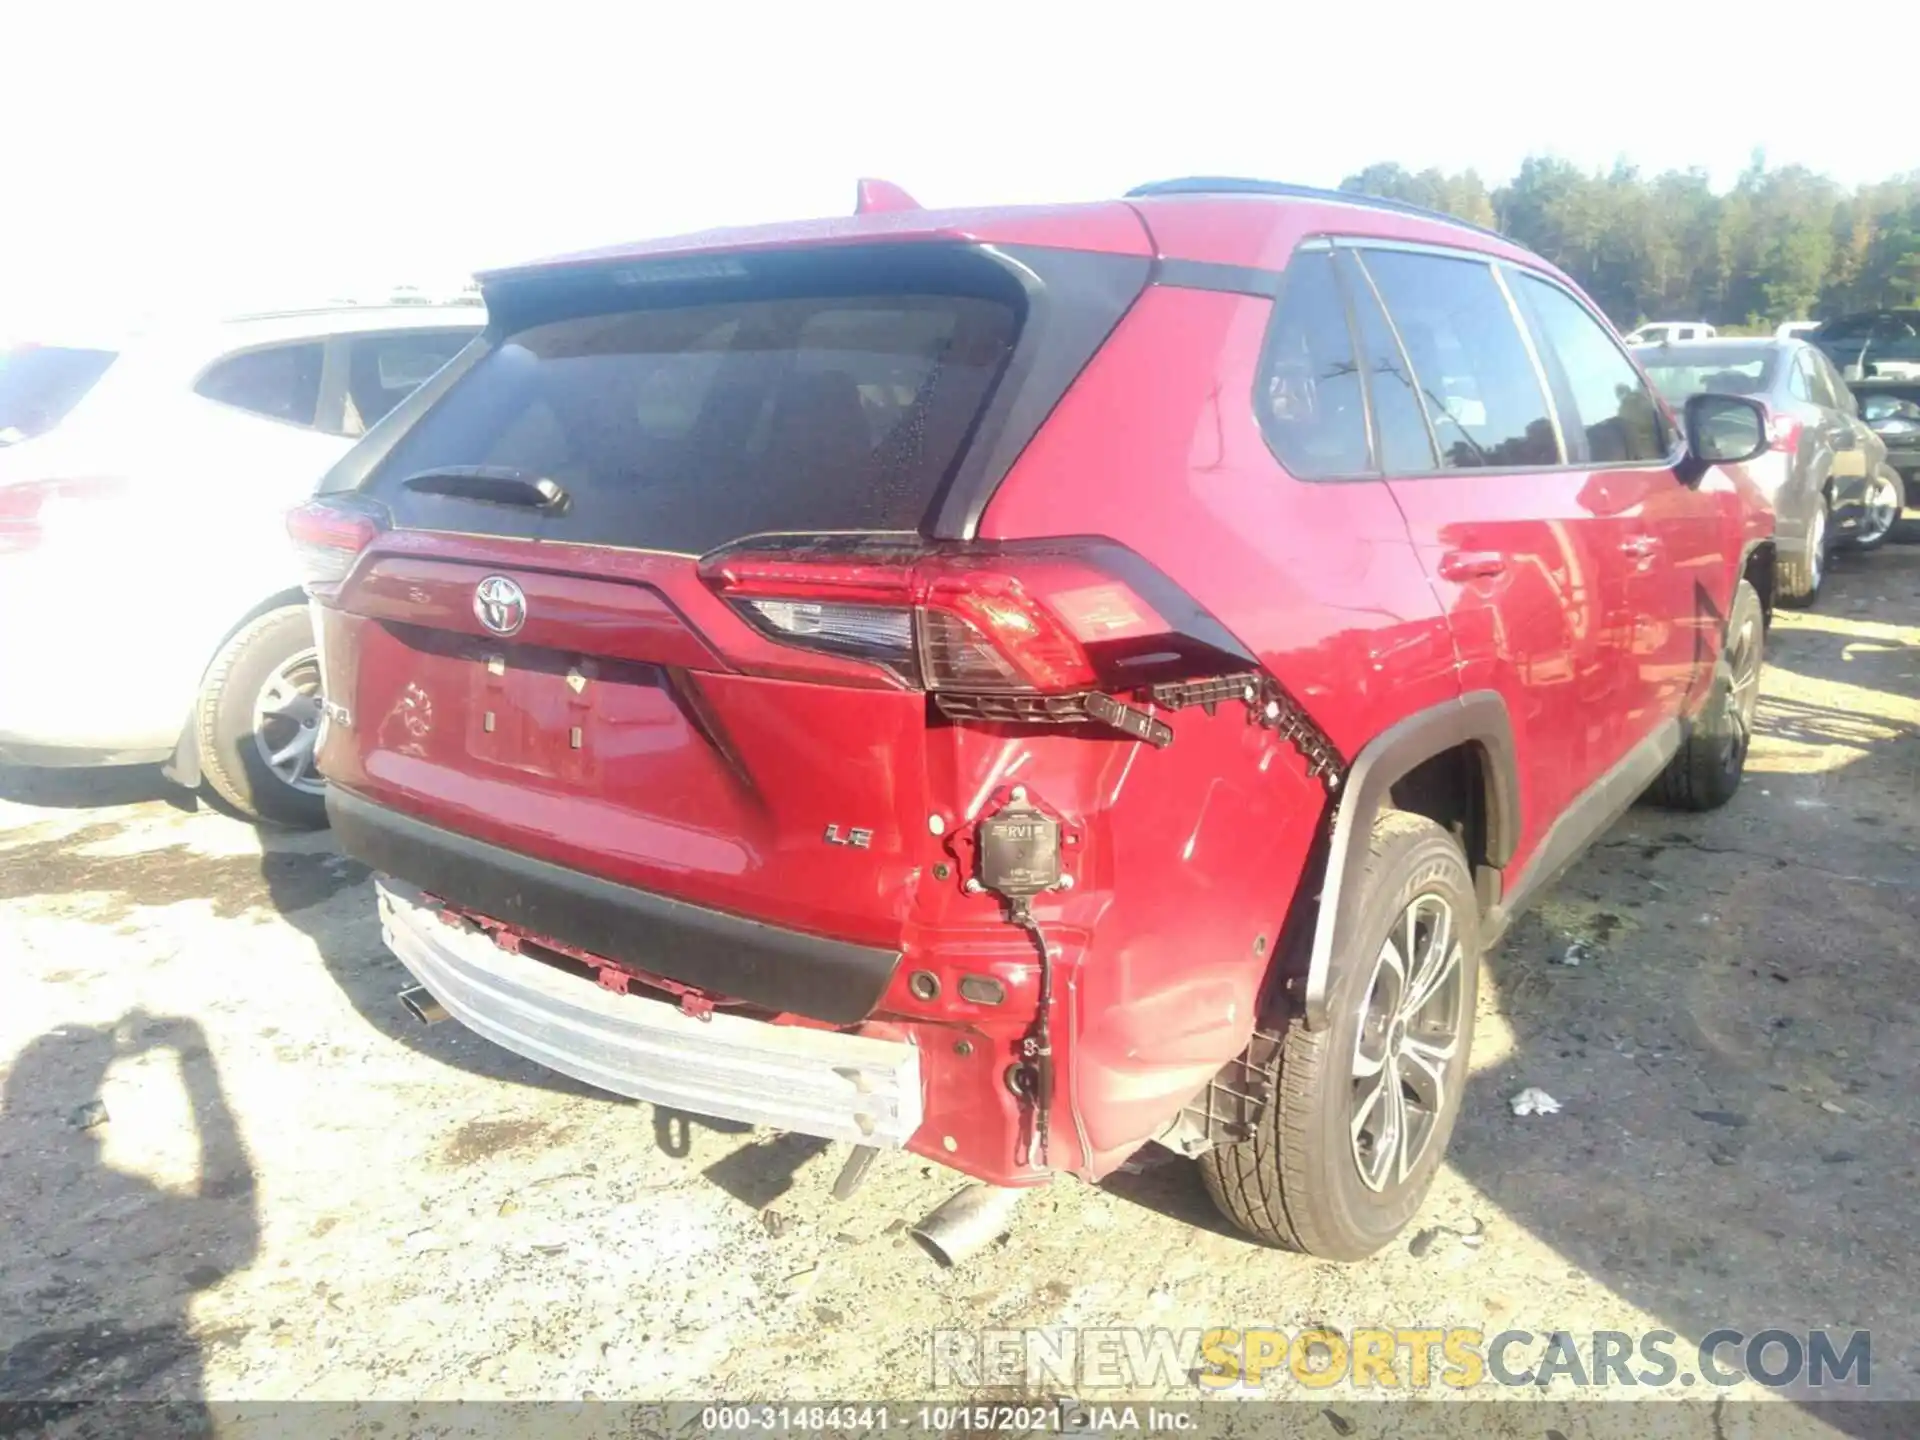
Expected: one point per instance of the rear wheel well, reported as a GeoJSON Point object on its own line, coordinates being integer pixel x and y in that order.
{"type": "Point", "coordinates": [1454, 790]}
{"type": "Point", "coordinates": [1759, 574]}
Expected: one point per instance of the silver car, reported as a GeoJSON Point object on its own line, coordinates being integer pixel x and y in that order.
{"type": "Point", "coordinates": [1826, 472]}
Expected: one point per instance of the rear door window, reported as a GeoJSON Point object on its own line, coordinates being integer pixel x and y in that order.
{"type": "Point", "coordinates": [1820, 381]}
{"type": "Point", "coordinates": [1615, 419]}
{"type": "Point", "coordinates": [382, 370]}
{"type": "Point", "coordinates": [1311, 404]}
{"type": "Point", "coordinates": [1843, 396]}
{"type": "Point", "coordinates": [1477, 381]}
{"type": "Point", "coordinates": [681, 428]}
{"type": "Point", "coordinates": [281, 382]}
{"type": "Point", "coordinates": [1800, 381]}
{"type": "Point", "coordinates": [1399, 422]}
{"type": "Point", "coordinates": [40, 384]}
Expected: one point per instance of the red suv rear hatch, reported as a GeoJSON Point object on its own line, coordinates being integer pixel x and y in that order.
{"type": "Point", "coordinates": [524, 650]}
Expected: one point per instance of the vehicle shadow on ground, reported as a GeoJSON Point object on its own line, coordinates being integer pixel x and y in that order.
{"type": "Point", "coordinates": [102, 1292]}
{"type": "Point", "coordinates": [91, 788]}
{"type": "Point", "coordinates": [1736, 1053]}
{"type": "Point", "coordinates": [330, 899]}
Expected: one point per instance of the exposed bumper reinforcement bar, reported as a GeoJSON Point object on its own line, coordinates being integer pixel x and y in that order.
{"type": "Point", "coordinates": [816, 1082]}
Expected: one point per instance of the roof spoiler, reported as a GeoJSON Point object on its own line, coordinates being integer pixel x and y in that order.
{"type": "Point", "coordinates": [874, 196]}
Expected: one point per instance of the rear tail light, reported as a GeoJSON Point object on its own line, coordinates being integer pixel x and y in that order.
{"type": "Point", "coordinates": [29, 507]}
{"type": "Point", "coordinates": [1783, 433]}
{"type": "Point", "coordinates": [327, 539]}
{"type": "Point", "coordinates": [1023, 618]}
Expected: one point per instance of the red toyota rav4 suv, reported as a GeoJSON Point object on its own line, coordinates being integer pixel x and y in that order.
{"type": "Point", "coordinates": [1017, 684]}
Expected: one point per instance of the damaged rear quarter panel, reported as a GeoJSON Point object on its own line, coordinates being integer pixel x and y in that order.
{"type": "Point", "coordinates": [1156, 446]}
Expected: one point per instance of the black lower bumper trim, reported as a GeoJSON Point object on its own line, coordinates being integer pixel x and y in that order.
{"type": "Point", "coordinates": [722, 954]}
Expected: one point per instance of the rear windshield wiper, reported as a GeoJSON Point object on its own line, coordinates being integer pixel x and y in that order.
{"type": "Point", "coordinates": [491, 485]}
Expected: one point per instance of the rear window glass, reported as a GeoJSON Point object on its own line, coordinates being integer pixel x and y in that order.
{"type": "Point", "coordinates": [1746, 371]}
{"type": "Point", "coordinates": [281, 382]}
{"type": "Point", "coordinates": [39, 384]}
{"type": "Point", "coordinates": [683, 428]}
{"type": "Point", "coordinates": [1857, 328]}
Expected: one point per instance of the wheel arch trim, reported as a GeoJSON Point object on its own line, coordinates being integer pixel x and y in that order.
{"type": "Point", "coordinates": [1478, 719]}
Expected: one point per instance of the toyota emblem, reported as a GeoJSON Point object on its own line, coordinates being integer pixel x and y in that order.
{"type": "Point", "coordinates": [500, 605]}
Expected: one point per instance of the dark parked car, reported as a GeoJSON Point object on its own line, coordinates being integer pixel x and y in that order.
{"type": "Point", "coordinates": [1891, 409]}
{"type": "Point", "coordinates": [1876, 344]}
{"type": "Point", "coordinates": [1020, 684]}
{"type": "Point", "coordinates": [1825, 470]}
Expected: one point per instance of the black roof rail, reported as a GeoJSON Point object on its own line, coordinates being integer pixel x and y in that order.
{"type": "Point", "coordinates": [1238, 185]}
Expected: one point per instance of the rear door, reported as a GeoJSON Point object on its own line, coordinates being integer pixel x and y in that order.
{"type": "Point", "coordinates": [1520, 547]}
{"type": "Point", "coordinates": [1841, 444]}
{"type": "Point", "coordinates": [1861, 437]}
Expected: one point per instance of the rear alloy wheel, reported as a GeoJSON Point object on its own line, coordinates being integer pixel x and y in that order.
{"type": "Point", "coordinates": [1364, 1106]}
{"type": "Point", "coordinates": [259, 721]}
{"type": "Point", "coordinates": [1802, 574]}
{"type": "Point", "coordinates": [1409, 1033]}
{"type": "Point", "coordinates": [1885, 500]}
{"type": "Point", "coordinates": [1712, 758]}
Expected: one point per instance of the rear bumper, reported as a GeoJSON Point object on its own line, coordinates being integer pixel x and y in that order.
{"type": "Point", "coordinates": [777, 969]}
{"type": "Point", "coordinates": [816, 1082]}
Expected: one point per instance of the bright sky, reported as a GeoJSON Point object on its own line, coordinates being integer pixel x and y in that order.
{"type": "Point", "coordinates": [175, 156]}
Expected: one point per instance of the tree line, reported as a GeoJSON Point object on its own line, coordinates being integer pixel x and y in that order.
{"type": "Point", "coordinates": [1782, 244]}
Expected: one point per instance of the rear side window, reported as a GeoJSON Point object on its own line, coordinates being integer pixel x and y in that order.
{"type": "Point", "coordinates": [39, 384]}
{"type": "Point", "coordinates": [1477, 381]}
{"type": "Point", "coordinates": [681, 428]}
{"type": "Point", "coordinates": [382, 370]}
{"type": "Point", "coordinates": [1310, 404]}
{"type": "Point", "coordinates": [1616, 418]}
{"type": "Point", "coordinates": [281, 382]}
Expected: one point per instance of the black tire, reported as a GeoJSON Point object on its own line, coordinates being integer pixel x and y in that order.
{"type": "Point", "coordinates": [1298, 1182]}
{"type": "Point", "coordinates": [1905, 531]}
{"type": "Point", "coordinates": [230, 760]}
{"type": "Point", "coordinates": [1713, 751]}
{"type": "Point", "coordinates": [1886, 476]}
{"type": "Point", "coordinates": [1800, 577]}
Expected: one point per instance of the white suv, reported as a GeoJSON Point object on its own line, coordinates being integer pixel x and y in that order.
{"type": "Point", "coordinates": [150, 603]}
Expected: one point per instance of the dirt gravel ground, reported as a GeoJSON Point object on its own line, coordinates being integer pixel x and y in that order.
{"type": "Point", "coordinates": [298, 1192]}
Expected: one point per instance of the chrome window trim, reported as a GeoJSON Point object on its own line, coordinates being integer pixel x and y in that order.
{"type": "Point", "coordinates": [1400, 344]}
{"type": "Point", "coordinates": [1533, 358]}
